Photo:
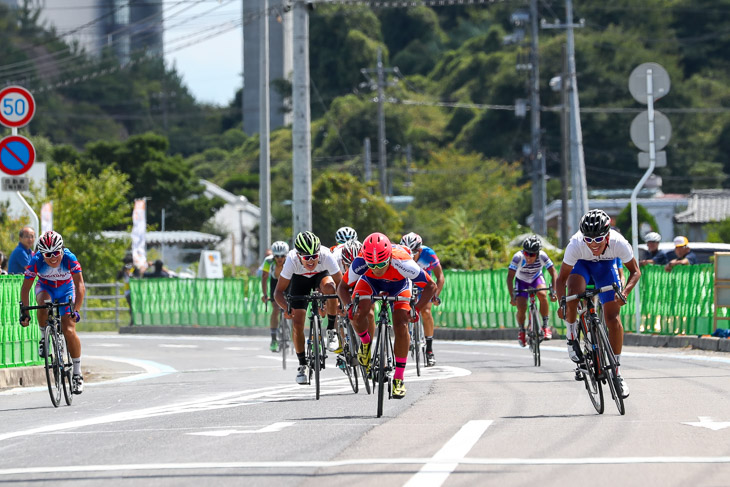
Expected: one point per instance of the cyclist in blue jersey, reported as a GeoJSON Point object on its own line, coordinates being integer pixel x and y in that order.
{"type": "Point", "coordinates": [59, 278]}
{"type": "Point", "coordinates": [526, 266]}
{"type": "Point", "coordinates": [427, 260]}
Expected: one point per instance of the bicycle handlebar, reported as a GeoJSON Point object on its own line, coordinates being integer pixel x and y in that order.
{"type": "Point", "coordinates": [589, 293]}
{"type": "Point", "coordinates": [536, 289]}
{"type": "Point", "coordinates": [48, 305]}
{"type": "Point", "coordinates": [314, 297]}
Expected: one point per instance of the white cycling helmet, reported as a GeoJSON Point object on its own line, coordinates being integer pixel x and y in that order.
{"type": "Point", "coordinates": [344, 234]}
{"type": "Point", "coordinates": [412, 240]}
{"type": "Point", "coordinates": [279, 248]}
{"type": "Point", "coordinates": [50, 242]}
{"type": "Point", "coordinates": [652, 237]}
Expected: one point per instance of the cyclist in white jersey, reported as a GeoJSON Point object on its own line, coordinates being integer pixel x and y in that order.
{"type": "Point", "coordinates": [307, 267]}
{"type": "Point", "coordinates": [526, 266]}
{"type": "Point", "coordinates": [590, 255]}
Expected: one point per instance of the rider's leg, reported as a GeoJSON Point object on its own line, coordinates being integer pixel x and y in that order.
{"type": "Point", "coordinates": [298, 318]}
{"type": "Point", "coordinates": [613, 323]}
{"type": "Point", "coordinates": [68, 326]}
{"type": "Point", "coordinates": [402, 341]}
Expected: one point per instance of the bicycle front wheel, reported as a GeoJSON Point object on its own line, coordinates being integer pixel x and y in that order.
{"type": "Point", "coordinates": [67, 367]}
{"type": "Point", "coordinates": [417, 340]}
{"type": "Point", "coordinates": [284, 334]}
{"type": "Point", "coordinates": [380, 371]}
{"type": "Point", "coordinates": [535, 318]}
{"type": "Point", "coordinates": [609, 368]}
{"type": "Point", "coordinates": [592, 372]}
{"type": "Point", "coordinates": [316, 334]}
{"type": "Point", "coordinates": [54, 367]}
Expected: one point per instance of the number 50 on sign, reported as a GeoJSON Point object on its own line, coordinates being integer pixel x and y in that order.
{"type": "Point", "coordinates": [17, 106]}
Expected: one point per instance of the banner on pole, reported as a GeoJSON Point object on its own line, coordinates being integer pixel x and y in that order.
{"type": "Point", "coordinates": [47, 217]}
{"type": "Point", "coordinates": [139, 228]}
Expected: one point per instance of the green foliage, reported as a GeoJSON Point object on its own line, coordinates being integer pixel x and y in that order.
{"type": "Point", "coordinates": [83, 206]}
{"type": "Point", "coordinates": [623, 221]}
{"type": "Point", "coordinates": [340, 199]}
{"type": "Point", "coordinates": [719, 232]}
{"type": "Point", "coordinates": [477, 252]}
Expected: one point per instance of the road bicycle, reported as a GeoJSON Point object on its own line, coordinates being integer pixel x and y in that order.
{"type": "Point", "coordinates": [315, 350]}
{"type": "Point", "coordinates": [283, 335]}
{"type": "Point", "coordinates": [347, 356]}
{"type": "Point", "coordinates": [418, 341]}
{"type": "Point", "coordinates": [58, 363]}
{"type": "Point", "coordinates": [534, 333]}
{"type": "Point", "coordinates": [382, 363]}
{"type": "Point", "coordinates": [599, 365]}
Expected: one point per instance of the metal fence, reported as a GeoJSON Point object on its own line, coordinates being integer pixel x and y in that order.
{"type": "Point", "coordinates": [105, 303]}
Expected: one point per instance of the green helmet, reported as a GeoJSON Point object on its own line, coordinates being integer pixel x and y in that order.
{"type": "Point", "coordinates": [307, 243]}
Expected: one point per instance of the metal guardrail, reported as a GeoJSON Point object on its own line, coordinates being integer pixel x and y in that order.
{"type": "Point", "coordinates": [104, 292]}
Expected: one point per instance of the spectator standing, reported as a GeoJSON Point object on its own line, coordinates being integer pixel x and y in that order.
{"type": "Point", "coordinates": [20, 257]}
{"type": "Point", "coordinates": [159, 271]}
{"type": "Point", "coordinates": [682, 254]}
{"type": "Point", "coordinates": [3, 264]}
{"type": "Point", "coordinates": [652, 240]}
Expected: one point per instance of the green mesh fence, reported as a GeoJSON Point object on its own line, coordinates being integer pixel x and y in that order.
{"type": "Point", "coordinates": [673, 303]}
{"type": "Point", "coordinates": [18, 345]}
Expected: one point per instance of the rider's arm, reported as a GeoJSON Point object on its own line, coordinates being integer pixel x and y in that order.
{"type": "Point", "coordinates": [438, 273]}
{"type": "Point", "coordinates": [553, 276]}
{"type": "Point", "coordinates": [511, 283]}
{"type": "Point", "coordinates": [80, 290]}
{"type": "Point", "coordinates": [634, 275]}
{"type": "Point", "coordinates": [264, 284]}
{"type": "Point", "coordinates": [562, 280]}
{"type": "Point", "coordinates": [428, 291]}
{"type": "Point", "coordinates": [281, 286]}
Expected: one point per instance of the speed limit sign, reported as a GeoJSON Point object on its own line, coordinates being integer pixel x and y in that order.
{"type": "Point", "coordinates": [17, 106]}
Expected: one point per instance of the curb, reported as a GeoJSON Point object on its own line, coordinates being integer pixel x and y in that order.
{"type": "Point", "coordinates": [22, 376]}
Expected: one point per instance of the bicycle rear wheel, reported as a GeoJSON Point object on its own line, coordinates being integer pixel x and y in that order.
{"type": "Point", "coordinates": [417, 339]}
{"type": "Point", "coordinates": [54, 368]}
{"type": "Point", "coordinates": [345, 359]}
{"type": "Point", "coordinates": [283, 337]}
{"type": "Point", "coordinates": [68, 368]}
{"type": "Point", "coordinates": [609, 367]}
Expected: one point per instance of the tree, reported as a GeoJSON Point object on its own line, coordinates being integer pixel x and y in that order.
{"type": "Point", "coordinates": [341, 200]}
{"type": "Point", "coordinates": [83, 206]}
{"type": "Point", "coordinates": [623, 221]}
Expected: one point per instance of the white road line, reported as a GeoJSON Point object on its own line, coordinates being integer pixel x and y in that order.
{"type": "Point", "coordinates": [435, 472]}
{"type": "Point", "coordinates": [175, 345]}
{"type": "Point", "coordinates": [272, 428]}
{"type": "Point", "coordinates": [317, 464]}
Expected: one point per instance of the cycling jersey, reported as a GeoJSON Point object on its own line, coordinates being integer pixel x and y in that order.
{"type": "Point", "coordinates": [269, 266]}
{"type": "Point", "coordinates": [529, 272]}
{"type": "Point", "coordinates": [617, 247]}
{"type": "Point", "coordinates": [428, 259]}
{"type": "Point", "coordinates": [53, 276]}
{"type": "Point", "coordinates": [293, 265]}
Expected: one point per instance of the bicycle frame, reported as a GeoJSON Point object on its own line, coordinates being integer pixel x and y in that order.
{"type": "Point", "coordinates": [599, 362]}
{"type": "Point", "coordinates": [314, 345]}
{"type": "Point", "coordinates": [534, 318]}
{"type": "Point", "coordinates": [382, 363]}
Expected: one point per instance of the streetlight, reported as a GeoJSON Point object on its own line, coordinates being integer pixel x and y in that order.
{"type": "Point", "coordinates": [241, 205]}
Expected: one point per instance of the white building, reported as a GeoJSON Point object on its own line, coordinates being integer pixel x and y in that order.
{"type": "Point", "coordinates": [240, 220]}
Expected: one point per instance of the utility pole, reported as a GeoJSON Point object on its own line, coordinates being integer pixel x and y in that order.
{"type": "Point", "coordinates": [301, 134]}
{"type": "Point", "coordinates": [380, 85]}
{"type": "Point", "coordinates": [565, 152]}
{"type": "Point", "coordinates": [539, 193]}
{"type": "Point", "coordinates": [367, 160]}
{"type": "Point", "coordinates": [264, 156]}
{"type": "Point", "coordinates": [577, 162]}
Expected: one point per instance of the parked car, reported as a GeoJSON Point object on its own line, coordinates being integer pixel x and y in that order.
{"type": "Point", "coordinates": [704, 251]}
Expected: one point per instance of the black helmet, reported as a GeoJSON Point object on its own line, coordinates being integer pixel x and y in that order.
{"type": "Point", "coordinates": [532, 244]}
{"type": "Point", "coordinates": [595, 223]}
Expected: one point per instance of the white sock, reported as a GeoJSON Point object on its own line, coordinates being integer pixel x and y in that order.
{"type": "Point", "coordinates": [77, 365]}
{"type": "Point", "coordinates": [618, 362]}
{"type": "Point", "coordinates": [572, 330]}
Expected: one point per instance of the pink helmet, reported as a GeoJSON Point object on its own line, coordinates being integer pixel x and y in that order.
{"type": "Point", "coordinates": [376, 248]}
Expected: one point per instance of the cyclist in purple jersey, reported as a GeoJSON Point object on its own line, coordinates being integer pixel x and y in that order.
{"type": "Point", "coordinates": [59, 278]}
{"type": "Point", "coordinates": [526, 266]}
{"type": "Point", "coordinates": [427, 260]}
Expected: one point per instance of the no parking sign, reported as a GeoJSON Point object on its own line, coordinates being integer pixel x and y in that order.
{"type": "Point", "coordinates": [17, 155]}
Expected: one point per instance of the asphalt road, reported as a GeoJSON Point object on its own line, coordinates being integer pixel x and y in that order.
{"type": "Point", "coordinates": [174, 410]}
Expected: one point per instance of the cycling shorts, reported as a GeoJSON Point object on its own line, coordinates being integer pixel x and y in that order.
{"type": "Point", "coordinates": [62, 294]}
{"type": "Point", "coordinates": [538, 282]}
{"type": "Point", "coordinates": [603, 273]}
{"type": "Point", "coordinates": [302, 286]}
{"type": "Point", "coordinates": [368, 286]}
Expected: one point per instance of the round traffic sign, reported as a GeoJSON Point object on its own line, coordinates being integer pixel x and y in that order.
{"type": "Point", "coordinates": [17, 155]}
{"type": "Point", "coordinates": [659, 77]}
{"type": "Point", "coordinates": [640, 131]}
{"type": "Point", "coordinates": [17, 106]}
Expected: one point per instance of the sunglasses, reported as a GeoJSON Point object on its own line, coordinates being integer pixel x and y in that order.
{"type": "Point", "coordinates": [379, 265]}
{"type": "Point", "coordinates": [595, 239]}
{"type": "Point", "coordinates": [309, 257]}
{"type": "Point", "coordinates": [49, 255]}
{"type": "Point", "coordinates": [529, 254]}
{"type": "Point", "coordinates": [279, 256]}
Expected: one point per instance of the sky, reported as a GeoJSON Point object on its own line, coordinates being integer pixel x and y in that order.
{"type": "Point", "coordinates": [210, 68]}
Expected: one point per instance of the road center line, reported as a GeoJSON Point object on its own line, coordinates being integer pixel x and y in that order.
{"type": "Point", "coordinates": [435, 472]}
